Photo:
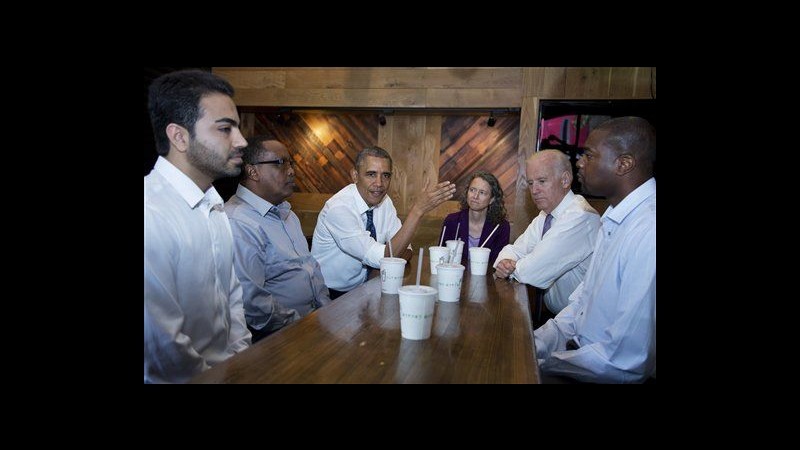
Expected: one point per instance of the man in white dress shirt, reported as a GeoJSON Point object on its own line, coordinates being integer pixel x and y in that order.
{"type": "Point", "coordinates": [193, 314]}
{"type": "Point", "coordinates": [607, 333]}
{"type": "Point", "coordinates": [555, 261]}
{"type": "Point", "coordinates": [343, 246]}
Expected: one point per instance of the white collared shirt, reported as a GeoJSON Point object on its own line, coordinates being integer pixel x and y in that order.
{"type": "Point", "coordinates": [193, 313]}
{"type": "Point", "coordinates": [343, 246]}
{"type": "Point", "coordinates": [558, 261]}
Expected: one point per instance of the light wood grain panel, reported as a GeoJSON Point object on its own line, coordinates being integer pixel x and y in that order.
{"type": "Point", "coordinates": [524, 210]}
{"type": "Point", "coordinates": [253, 78]}
{"type": "Point", "coordinates": [387, 78]}
{"type": "Point", "coordinates": [385, 133]}
{"type": "Point", "coordinates": [644, 83]}
{"type": "Point", "coordinates": [338, 98]}
{"type": "Point", "coordinates": [247, 126]}
{"type": "Point", "coordinates": [623, 82]}
{"type": "Point", "coordinates": [307, 201]}
{"type": "Point", "coordinates": [588, 82]}
{"type": "Point", "coordinates": [544, 82]}
{"type": "Point", "coordinates": [473, 98]}
{"type": "Point", "coordinates": [429, 156]}
{"type": "Point", "coordinates": [407, 153]}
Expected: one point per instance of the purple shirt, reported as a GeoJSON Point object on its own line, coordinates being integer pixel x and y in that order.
{"type": "Point", "coordinates": [496, 243]}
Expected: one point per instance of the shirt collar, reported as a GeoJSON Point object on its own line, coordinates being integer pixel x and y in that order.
{"type": "Point", "coordinates": [261, 205]}
{"type": "Point", "coordinates": [362, 206]}
{"type": "Point", "coordinates": [563, 205]}
{"type": "Point", "coordinates": [631, 201]}
{"type": "Point", "coordinates": [186, 188]}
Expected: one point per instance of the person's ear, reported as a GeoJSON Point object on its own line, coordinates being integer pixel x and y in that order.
{"type": "Point", "coordinates": [252, 172]}
{"type": "Point", "coordinates": [178, 137]}
{"type": "Point", "coordinates": [625, 163]}
{"type": "Point", "coordinates": [354, 175]}
{"type": "Point", "coordinates": [566, 180]}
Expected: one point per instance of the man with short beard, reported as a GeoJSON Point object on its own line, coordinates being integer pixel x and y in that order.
{"type": "Point", "coordinates": [193, 315]}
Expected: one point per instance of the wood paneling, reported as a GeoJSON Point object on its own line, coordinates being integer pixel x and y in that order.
{"type": "Point", "coordinates": [339, 98]}
{"type": "Point", "coordinates": [255, 79]}
{"type": "Point", "coordinates": [524, 210]}
{"type": "Point", "coordinates": [324, 146]}
{"type": "Point", "coordinates": [468, 145]}
{"type": "Point", "coordinates": [385, 78]}
{"type": "Point", "coordinates": [324, 160]}
{"type": "Point", "coordinates": [472, 98]}
{"type": "Point", "coordinates": [544, 82]}
{"type": "Point", "coordinates": [588, 82]}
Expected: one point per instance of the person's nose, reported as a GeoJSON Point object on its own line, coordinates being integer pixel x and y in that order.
{"type": "Point", "coordinates": [238, 139]}
{"type": "Point", "coordinates": [579, 163]}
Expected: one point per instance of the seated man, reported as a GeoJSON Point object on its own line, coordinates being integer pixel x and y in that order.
{"type": "Point", "coordinates": [281, 280]}
{"type": "Point", "coordinates": [608, 331]}
{"type": "Point", "coordinates": [193, 316]}
{"type": "Point", "coordinates": [554, 251]}
{"type": "Point", "coordinates": [355, 224]}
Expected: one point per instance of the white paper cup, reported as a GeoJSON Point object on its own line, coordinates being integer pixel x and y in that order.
{"type": "Point", "coordinates": [392, 274]}
{"type": "Point", "coordinates": [438, 255]}
{"type": "Point", "coordinates": [478, 260]}
{"type": "Point", "coordinates": [416, 311]}
{"type": "Point", "coordinates": [449, 278]}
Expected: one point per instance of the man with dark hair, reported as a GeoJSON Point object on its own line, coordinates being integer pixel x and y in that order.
{"type": "Point", "coordinates": [280, 279]}
{"type": "Point", "coordinates": [607, 333]}
{"type": "Point", "coordinates": [193, 315]}
{"type": "Point", "coordinates": [355, 224]}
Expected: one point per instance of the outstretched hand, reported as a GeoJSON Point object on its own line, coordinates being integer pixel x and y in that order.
{"type": "Point", "coordinates": [435, 196]}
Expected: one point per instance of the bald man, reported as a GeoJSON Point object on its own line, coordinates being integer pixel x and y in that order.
{"type": "Point", "coordinates": [607, 333]}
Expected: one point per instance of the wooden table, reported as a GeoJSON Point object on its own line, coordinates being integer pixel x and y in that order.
{"type": "Point", "coordinates": [486, 337]}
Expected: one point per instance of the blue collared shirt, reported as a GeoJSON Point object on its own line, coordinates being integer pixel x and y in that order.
{"type": "Point", "coordinates": [612, 314]}
{"type": "Point", "coordinates": [278, 274]}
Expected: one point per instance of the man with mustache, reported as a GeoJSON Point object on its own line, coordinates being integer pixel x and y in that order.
{"type": "Point", "coordinates": [343, 241]}
{"type": "Point", "coordinates": [193, 315]}
{"type": "Point", "coordinates": [281, 280]}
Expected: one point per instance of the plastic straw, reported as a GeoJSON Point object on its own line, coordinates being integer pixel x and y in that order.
{"type": "Point", "coordinates": [457, 227]}
{"type": "Point", "coordinates": [391, 255]}
{"type": "Point", "coordinates": [419, 265]}
{"type": "Point", "coordinates": [490, 234]}
{"type": "Point", "coordinates": [441, 241]}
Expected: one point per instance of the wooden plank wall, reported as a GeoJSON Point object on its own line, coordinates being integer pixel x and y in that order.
{"type": "Point", "coordinates": [323, 146]}
{"type": "Point", "coordinates": [421, 88]}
